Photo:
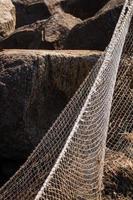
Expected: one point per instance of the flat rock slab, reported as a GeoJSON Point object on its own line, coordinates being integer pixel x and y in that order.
{"type": "Point", "coordinates": [7, 18]}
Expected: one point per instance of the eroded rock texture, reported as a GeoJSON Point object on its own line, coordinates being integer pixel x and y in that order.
{"type": "Point", "coordinates": [34, 88]}
{"type": "Point", "coordinates": [7, 18]}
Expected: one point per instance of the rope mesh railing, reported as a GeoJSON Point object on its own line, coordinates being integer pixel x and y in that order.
{"type": "Point", "coordinates": [69, 161]}
{"type": "Point", "coordinates": [78, 171]}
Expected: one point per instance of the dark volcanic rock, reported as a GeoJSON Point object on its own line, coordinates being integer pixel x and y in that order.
{"type": "Point", "coordinates": [96, 32]}
{"type": "Point", "coordinates": [29, 11]}
{"type": "Point", "coordinates": [34, 88]}
{"type": "Point", "coordinates": [8, 167]}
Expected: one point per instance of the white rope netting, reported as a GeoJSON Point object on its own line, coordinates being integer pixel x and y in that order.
{"type": "Point", "coordinates": [69, 161]}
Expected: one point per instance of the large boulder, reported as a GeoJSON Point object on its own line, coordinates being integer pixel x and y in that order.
{"type": "Point", "coordinates": [48, 26]}
{"type": "Point", "coordinates": [95, 32]}
{"type": "Point", "coordinates": [7, 18]}
{"type": "Point", "coordinates": [27, 37]}
{"type": "Point", "coordinates": [58, 27]}
{"type": "Point", "coordinates": [29, 11]}
{"type": "Point", "coordinates": [82, 8]}
{"type": "Point", "coordinates": [34, 88]}
{"type": "Point", "coordinates": [44, 34]}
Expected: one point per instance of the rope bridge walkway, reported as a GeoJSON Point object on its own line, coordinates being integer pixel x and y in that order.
{"type": "Point", "coordinates": [68, 164]}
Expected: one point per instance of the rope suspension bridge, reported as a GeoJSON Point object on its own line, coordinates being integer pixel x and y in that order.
{"type": "Point", "coordinates": [68, 163]}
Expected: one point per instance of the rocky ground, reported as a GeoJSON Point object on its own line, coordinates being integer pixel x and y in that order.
{"type": "Point", "coordinates": [36, 82]}
{"type": "Point", "coordinates": [118, 177]}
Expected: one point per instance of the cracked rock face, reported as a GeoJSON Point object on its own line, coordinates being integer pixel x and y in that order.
{"type": "Point", "coordinates": [7, 18]}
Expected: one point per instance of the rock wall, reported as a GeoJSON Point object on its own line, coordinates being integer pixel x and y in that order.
{"type": "Point", "coordinates": [35, 86]}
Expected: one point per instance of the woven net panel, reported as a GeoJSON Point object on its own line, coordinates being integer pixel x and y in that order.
{"type": "Point", "coordinates": [118, 170]}
{"type": "Point", "coordinates": [68, 162]}
{"type": "Point", "coordinates": [77, 173]}
{"type": "Point", "coordinates": [121, 119]}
